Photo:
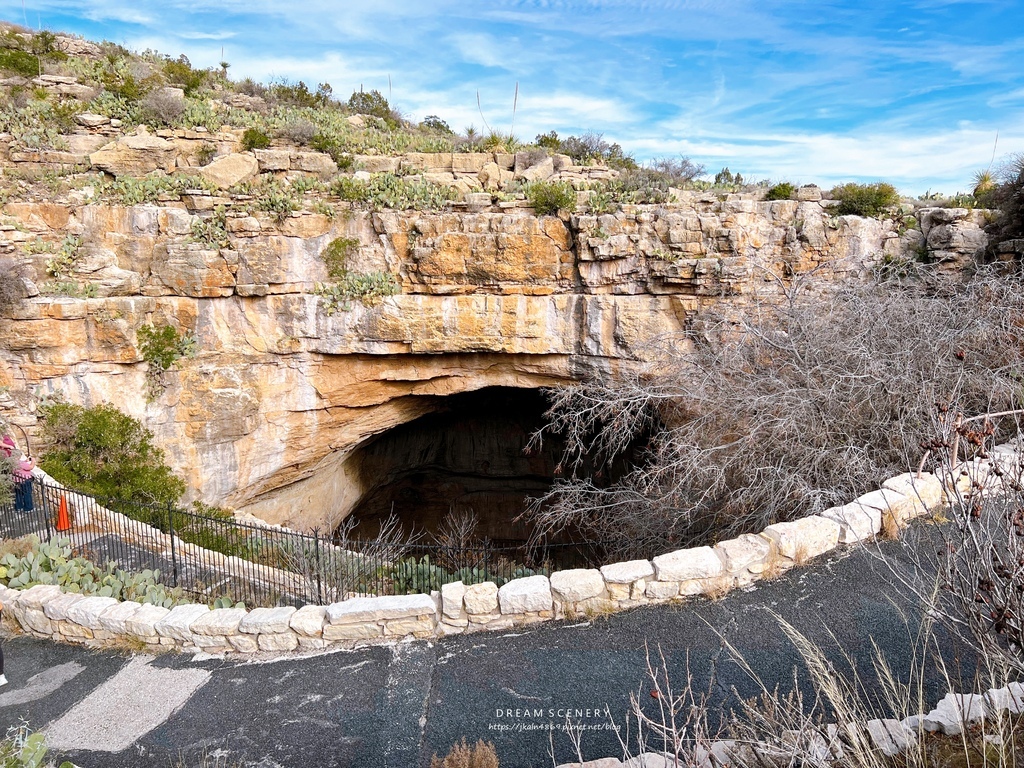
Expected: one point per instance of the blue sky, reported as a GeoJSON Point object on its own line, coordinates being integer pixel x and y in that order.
{"type": "Point", "coordinates": [909, 91]}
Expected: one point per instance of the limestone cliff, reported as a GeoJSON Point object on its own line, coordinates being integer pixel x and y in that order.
{"type": "Point", "coordinates": [268, 415]}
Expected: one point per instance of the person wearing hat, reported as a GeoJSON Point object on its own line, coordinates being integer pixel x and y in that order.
{"type": "Point", "coordinates": [23, 484]}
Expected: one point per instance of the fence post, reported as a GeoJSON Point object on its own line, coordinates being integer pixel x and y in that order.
{"type": "Point", "coordinates": [174, 553]}
{"type": "Point", "coordinates": [319, 568]}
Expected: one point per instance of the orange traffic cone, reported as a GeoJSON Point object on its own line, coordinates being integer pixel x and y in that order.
{"type": "Point", "coordinates": [63, 518]}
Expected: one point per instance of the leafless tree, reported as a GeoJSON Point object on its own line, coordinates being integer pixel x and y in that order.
{"type": "Point", "coordinates": [790, 408]}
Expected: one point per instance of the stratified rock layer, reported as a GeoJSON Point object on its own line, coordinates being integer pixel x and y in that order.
{"type": "Point", "coordinates": [266, 418]}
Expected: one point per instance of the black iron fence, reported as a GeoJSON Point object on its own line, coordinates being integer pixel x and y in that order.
{"type": "Point", "coordinates": [211, 557]}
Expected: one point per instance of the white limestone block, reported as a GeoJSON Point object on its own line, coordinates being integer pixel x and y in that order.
{"type": "Point", "coordinates": [740, 553]}
{"type": "Point", "coordinates": [688, 564]}
{"type": "Point", "coordinates": [243, 643]}
{"type": "Point", "coordinates": [177, 624]}
{"type": "Point", "coordinates": [220, 621]}
{"type": "Point", "coordinates": [532, 593]}
{"type": "Point", "coordinates": [87, 611]}
{"type": "Point", "coordinates": [627, 572]}
{"type": "Point", "coordinates": [143, 622]}
{"type": "Point", "coordinates": [481, 598]}
{"type": "Point", "coordinates": [267, 621]}
{"type": "Point", "coordinates": [662, 590]}
{"type": "Point", "coordinates": [115, 619]}
{"type": "Point", "coordinates": [859, 522]}
{"type": "Point", "coordinates": [278, 641]}
{"type": "Point", "coordinates": [451, 599]}
{"type": "Point", "coordinates": [57, 608]}
{"type": "Point", "coordinates": [804, 538]}
{"type": "Point", "coordinates": [362, 609]}
{"type": "Point", "coordinates": [577, 584]}
{"type": "Point", "coordinates": [309, 620]}
{"type": "Point", "coordinates": [36, 597]}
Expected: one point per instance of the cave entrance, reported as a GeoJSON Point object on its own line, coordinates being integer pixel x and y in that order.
{"type": "Point", "coordinates": [466, 460]}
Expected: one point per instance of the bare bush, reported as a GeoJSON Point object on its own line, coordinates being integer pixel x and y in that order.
{"type": "Point", "coordinates": [164, 105]}
{"type": "Point", "coordinates": [793, 408]}
{"type": "Point", "coordinates": [299, 132]}
{"type": "Point", "coordinates": [969, 568]}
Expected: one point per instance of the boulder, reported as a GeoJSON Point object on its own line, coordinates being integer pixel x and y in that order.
{"type": "Point", "coordinates": [136, 155]}
{"type": "Point", "coordinates": [229, 170]}
{"type": "Point", "coordinates": [91, 120]}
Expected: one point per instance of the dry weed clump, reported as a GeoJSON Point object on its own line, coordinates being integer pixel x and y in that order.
{"type": "Point", "coordinates": [461, 755]}
{"type": "Point", "coordinates": [785, 411]}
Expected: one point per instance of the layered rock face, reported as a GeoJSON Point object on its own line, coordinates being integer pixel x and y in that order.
{"type": "Point", "coordinates": [269, 415]}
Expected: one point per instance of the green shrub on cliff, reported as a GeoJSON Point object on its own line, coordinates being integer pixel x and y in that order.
{"type": "Point", "coordinates": [102, 451]}
{"type": "Point", "coordinates": [864, 199]}
{"type": "Point", "coordinates": [548, 197]}
{"type": "Point", "coordinates": [782, 191]}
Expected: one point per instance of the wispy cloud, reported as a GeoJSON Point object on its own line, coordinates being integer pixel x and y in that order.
{"type": "Point", "coordinates": [909, 90]}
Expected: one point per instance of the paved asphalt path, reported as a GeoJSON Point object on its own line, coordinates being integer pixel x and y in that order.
{"type": "Point", "coordinates": [391, 706]}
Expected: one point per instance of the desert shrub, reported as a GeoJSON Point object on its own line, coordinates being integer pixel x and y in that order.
{"type": "Point", "coordinates": [781, 412]}
{"type": "Point", "coordinates": [130, 190]}
{"type": "Point", "coordinates": [676, 171]}
{"type": "Point", "coordinates": [726, 178]}
{"type": "Point", "coordinates": [461, 755]}
{"type": "Point", "coordinates": [298, 132]}
{"type": "Point", "coordinates": [588, 147]}
{"type": "Point", "coordinates": [19, 62]}
{"type": "Point", "coordinates": [162, 346]}
{"type": "Point", "coordinates": [782, 191]}
{"type": "Point", "coordinates": [336, 255]}
{"type": "Point", "coordinates": [254, 138]}
{"type": "Point", "coordinates": [334, 147]}
{"type": "Point", "coordinates": [180, 72]}
{"type": "Point", "coordinates": [163, 106]}
{"type": "Point", "coordinates": [548, 197]}
{"type": "Point", "coordinates": [864, 199]}
{"type": "Point", "coordinates": [211, 232]}
{"type": "Point", "coordinates": [367, 288]}
{"type": "Point", "coordinates": [373, 103]}
{"type": "Point", "coordinates": [436, 124]}
{"type": "Point", "coordinates": [102, 451]}
{"type": "Point", "coordinates": [21, 748]}
{"type": "Point", "coordinates": [1008, 197]}
{"type": "Point", "coordinates": [12, 289]}
{"type": "Point", "coordinates": [299, 95]}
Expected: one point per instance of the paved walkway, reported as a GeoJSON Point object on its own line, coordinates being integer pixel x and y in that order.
{"type": "Point", "coordinates": [396, 705]}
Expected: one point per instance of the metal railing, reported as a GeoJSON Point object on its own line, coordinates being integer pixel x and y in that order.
{"type": "Point", "coordinates": [211, 557]}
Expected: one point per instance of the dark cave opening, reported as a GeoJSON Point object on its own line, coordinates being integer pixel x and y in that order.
{"type": "Point", "coordinates": [470, 457]}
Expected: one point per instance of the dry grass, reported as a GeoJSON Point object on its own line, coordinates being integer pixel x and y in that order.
{"type": "Point", "coordinates": [480, 755]}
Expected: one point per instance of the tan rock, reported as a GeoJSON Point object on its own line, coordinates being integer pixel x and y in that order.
{"type": "Point", "coordinates": [230, 170]}
{"type": "Point", "coordinates": [481, 598]}
{"type": "Point", "coordinates": [135, 155]}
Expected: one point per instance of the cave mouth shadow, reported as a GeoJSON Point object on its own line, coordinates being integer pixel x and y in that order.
{"type": "Point", "coordinates": [467, 460]}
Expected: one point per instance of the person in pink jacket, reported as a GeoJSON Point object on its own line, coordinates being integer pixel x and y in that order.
{"type": "Point", "coordinates": [23, 484]}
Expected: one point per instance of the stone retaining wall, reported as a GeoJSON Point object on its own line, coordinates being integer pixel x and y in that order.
{"type": "Point", "coordinates": [46, 611]}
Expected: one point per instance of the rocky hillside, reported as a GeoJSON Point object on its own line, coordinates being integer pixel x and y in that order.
{"type": "Point", "coordinates": [308, 299]}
